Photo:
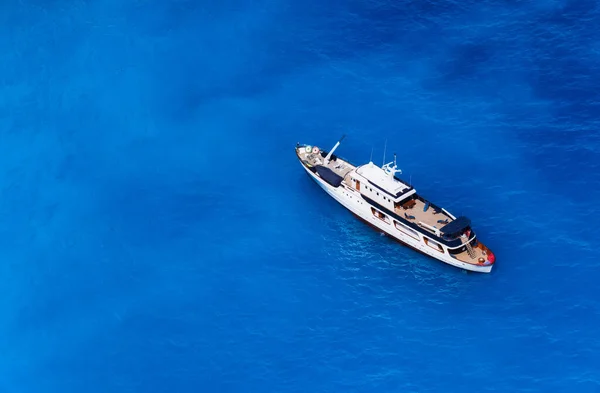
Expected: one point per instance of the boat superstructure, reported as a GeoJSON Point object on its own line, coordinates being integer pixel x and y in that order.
{"type": "Point", "coordinates": [380, 198]}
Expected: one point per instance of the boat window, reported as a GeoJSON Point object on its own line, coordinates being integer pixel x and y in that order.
{"type": "Point", "coordinates": [410, 232]}
{"type": "Point", "coordinates": [434, 245]}
{"type": "Point", "coordinates": [380, 215]}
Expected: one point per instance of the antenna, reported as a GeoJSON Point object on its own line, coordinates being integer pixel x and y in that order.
{"type": "Point", "coordinates": [371, 159]}
{"type": "Point", "coordinates": [384, 148]}
{"type": "Point", "coordinates": [395, 160]}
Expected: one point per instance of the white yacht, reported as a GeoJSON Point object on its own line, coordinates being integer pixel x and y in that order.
{"type": "Point", "coordinates": [381, 199]}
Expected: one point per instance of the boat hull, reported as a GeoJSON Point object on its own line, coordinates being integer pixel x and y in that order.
{"type": "Point", "coordinates": [352, 200]}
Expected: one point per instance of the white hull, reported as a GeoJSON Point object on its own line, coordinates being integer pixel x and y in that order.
{"type": "Point", "coordinates": [352, 200]}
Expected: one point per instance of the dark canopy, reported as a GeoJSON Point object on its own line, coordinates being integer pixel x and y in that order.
{"type": "Point", "coordinates": [456, 227]}
{"type": "Point", "coordinates": [329, 176]}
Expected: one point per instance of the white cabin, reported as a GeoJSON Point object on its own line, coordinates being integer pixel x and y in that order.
{"type": "Point", "coordinates": [380, 185]}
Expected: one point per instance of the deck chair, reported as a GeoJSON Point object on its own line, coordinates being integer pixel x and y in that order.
{"type": "Point", "coordinates": [443, 221]}
{"type": "Point", "coordinates": [409, 217]}
{"type": "Point", "coordinates": [409, 204]}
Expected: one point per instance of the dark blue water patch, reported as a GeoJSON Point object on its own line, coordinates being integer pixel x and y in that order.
{"type": "Point", "coordinates": [353, 30]}
{"type": "Point", "coordinates": [393, 12]}
{"type": "Point", "coordinates": [574, 12]}
{"type": "Point", "coordinates": [565, 65]}
{"type": "Point", "coordinates": [571, 77]}
{"type": "Point", "coordinates": [567, 81]}
{"type": "Point", "coordinates": [466, 61]}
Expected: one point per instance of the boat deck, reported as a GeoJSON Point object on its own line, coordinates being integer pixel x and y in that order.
{"type": "Point", "coordinates": [338, 165]}
{"type": "Point", "coordinates": [430, 217]}
{"type": "Point", "coordinates": [480, 254]}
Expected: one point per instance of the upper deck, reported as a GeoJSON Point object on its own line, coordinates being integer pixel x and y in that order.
{"type": "Point", "coordinates": [420, 212]}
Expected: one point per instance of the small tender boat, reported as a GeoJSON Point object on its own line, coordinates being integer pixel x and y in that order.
{"type": "Point", "coordinates": [380, 198]}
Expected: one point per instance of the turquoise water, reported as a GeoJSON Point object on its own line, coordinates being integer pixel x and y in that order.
{"type": "Point", "coordinates": [158, 233]}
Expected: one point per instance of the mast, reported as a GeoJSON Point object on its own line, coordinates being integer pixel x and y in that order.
{"type": "Point", "coordinates": [328, 157]}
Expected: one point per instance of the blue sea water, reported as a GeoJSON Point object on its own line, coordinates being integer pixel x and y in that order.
{"type": "Point", "coordinates": [157, 233]}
